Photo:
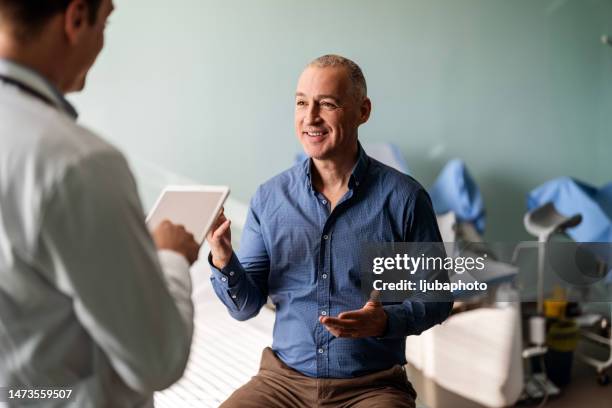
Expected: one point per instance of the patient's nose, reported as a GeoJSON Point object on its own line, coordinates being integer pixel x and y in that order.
{"type": "Point", "coordinates": [312, 115]}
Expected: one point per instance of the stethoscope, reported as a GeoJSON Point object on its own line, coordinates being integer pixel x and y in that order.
{"type": "Point", "coordinates": [40, 96]}
{"type": "Point", "coordinates": [27, 89]}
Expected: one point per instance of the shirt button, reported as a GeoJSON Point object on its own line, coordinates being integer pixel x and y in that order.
{"type": "Point", "coordinates": [233, 296]}
{"type": "Point", "coordinates": [224, 279]}
{"type": "Point", "coordinates": [323, 313]}
{"type": "Point", "coordinates": [325, 237]}
{"type": "Point", "coordinates": [324, 201]}
{"type": "Point", "coordinates": [232, 273]}
{"type": "Point", "coordinates": [324, 276]}
{"type": "Point", "coordinates": [321, 351]}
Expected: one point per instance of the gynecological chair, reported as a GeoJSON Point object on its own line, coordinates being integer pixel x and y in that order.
{"type": "Point", "coordinates": [564, 197]}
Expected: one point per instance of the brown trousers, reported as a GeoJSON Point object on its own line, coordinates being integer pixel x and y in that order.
{"type": "Point", "coordinates": [278, 386]}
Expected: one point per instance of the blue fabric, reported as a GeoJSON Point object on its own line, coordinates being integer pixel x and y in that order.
{"type": "Point", "coordinates": [570, 197]}
{"type": "Point", "coordinates": [456, 191]}
{"type": "Point", "coordinates": [307, 260]}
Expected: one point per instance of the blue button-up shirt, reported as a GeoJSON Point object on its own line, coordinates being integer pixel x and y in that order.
{"type": "Point", "coordinates": [306, 259]}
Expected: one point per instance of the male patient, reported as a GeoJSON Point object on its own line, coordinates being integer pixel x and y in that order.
{"type": "Point", "coordinates": [85, 303]}
{"type": "Point", "coordinates": [300, 247]}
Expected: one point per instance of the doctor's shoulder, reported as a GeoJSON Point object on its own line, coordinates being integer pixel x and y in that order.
{"type": "Point", "coordinates": [67, 147]}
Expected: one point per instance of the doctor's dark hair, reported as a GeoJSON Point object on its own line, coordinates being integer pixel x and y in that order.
{"type": "Point", "coordinates": [27, 17]}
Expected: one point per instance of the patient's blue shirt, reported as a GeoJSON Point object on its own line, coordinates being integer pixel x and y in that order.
{"type": "Point", "coordinates": [306, 259]}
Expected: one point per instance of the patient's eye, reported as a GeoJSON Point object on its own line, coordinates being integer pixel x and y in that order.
{"type": "Point", "coordinates": [300, 103]}
{"type": "Point", "coordinates": [328, 105]}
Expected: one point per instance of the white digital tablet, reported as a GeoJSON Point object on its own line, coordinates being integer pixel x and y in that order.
{"type": "Point", "coordinates": [194, 207]}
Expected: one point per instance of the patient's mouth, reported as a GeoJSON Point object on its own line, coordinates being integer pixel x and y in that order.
{"type": "Point", "coordinates": [316, 135]}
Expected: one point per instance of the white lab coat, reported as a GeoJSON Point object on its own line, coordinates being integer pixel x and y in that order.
{"type": "Point", "coordinates": [84, 302]}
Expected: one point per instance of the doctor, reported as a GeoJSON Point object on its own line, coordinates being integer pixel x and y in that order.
{"type": "Point", "coordinates": [86, 301]}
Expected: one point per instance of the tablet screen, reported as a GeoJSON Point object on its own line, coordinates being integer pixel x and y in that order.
{"type": "Point", "coordinates": [196, 208]}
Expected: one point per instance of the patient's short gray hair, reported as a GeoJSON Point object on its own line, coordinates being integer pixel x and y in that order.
{"type": "Point", "coordinates": [355, 73]}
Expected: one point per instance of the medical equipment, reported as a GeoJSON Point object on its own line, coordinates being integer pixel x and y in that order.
{"type": "Point", "coordinates": [543, 222]}
{"type": "Point", "coordinates": [571, 196]}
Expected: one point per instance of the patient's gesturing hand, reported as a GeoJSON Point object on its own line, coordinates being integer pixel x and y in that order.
{"type": "Point", "coordinates": [369, 321]}
{"type": "Point", "coordinates": [220, 241]}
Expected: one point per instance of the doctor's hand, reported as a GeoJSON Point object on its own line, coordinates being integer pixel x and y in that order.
{"type": "Point", "coordinates": [220, 241]}
{"type": "Point", "coordinates": [175, 238]}
{"type": "Point", "coordinates": [369, 321]}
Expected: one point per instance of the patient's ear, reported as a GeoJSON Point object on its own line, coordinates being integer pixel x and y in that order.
{"type": "Point", "coordinates": [365, 109]}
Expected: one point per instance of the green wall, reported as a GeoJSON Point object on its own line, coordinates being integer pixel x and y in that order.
{"type": "Point", "coordinates": [519, 89]}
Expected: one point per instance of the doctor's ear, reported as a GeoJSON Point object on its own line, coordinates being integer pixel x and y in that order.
{"type": "Point", "coordinates": [76, 20]}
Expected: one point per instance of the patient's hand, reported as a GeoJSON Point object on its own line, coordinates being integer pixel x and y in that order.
{"type": "Point", "coordinates": [369, 321]}
{"type": "Point", "coordinates": [175, 238]}
{"type": "Point", "coordinates": [220, 240]}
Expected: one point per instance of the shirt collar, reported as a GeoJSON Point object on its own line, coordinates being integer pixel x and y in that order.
{"type": "Point", "coordinates": [360, 169]}
{"type": "Point", "coordinates": [357, 174]}
{"type": "Point", "coordinates": [37, 83]}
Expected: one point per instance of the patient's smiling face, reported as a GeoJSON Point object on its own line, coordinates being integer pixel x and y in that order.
{"type": "Point", "coordinates": [327, 113]}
